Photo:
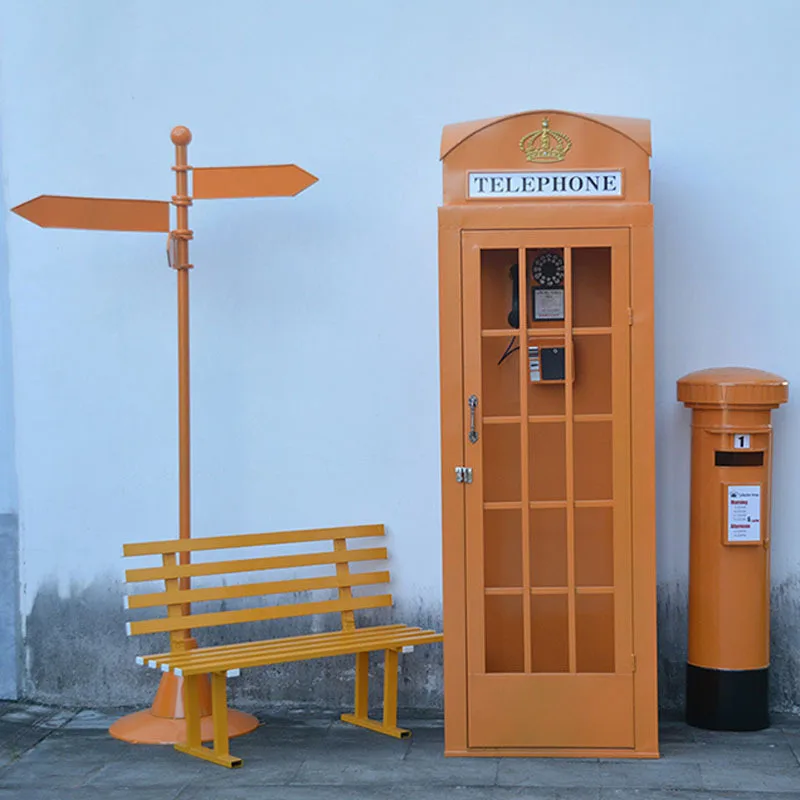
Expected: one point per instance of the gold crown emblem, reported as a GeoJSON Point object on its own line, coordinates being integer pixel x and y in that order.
{"type": "Point", "coordinates": [545, 145]}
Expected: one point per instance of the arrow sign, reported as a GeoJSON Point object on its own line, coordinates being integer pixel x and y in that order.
{"type": "Point", "coordinates": [96, 213]}
{"type": "Point", "coordinates": [275, 180]}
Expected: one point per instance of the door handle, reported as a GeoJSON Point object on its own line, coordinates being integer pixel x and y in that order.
{"type": "Point", "coordinates": [473, 404]}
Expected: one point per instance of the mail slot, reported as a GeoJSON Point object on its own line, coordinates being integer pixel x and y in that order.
{"type": "Point", "coordinates": [729, 585]}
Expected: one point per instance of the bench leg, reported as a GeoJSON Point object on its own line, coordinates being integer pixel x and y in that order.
{"type": "Point", "coordinates": [389, 724]}
{"type": "Point", "coordinates": [362, 686]}
{"type": "Point", "coordinates": [220, 753]}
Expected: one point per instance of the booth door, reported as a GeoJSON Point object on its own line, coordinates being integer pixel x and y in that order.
{"type": "Point", "coordinates": [548, 532]}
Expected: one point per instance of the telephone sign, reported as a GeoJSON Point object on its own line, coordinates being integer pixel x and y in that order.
{"type": "Point", "coordinates": [550, 184]}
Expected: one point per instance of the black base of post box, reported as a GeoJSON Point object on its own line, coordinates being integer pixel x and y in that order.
{"type": "Point", "coordinates": [727, 700]}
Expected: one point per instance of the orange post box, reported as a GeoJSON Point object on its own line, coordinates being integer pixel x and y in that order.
{"type": "Point", "coordinates": [546, 287]}
{"type": "Point", "coordinates": [729, 586]}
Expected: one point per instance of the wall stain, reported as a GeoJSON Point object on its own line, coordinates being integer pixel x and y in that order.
{"type": "Point", "coordinates": [784, 674]}
{"type": "Point", "coordinates": [79, 654]}
{"type": "Point", "coordinates": [672, 600]}
{"type": "Point", "coordinates": [10, 633]}
{"type": "Point", "coordinates": [673, 616]}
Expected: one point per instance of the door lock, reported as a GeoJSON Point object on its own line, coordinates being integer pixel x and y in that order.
{"type": "Point", "coordinates": [463, 474]}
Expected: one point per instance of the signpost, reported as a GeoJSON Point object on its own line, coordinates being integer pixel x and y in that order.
{"type": "Point", "coordinates": [96, 213]}
{"type": "Point", "coordinates": [164, 722]}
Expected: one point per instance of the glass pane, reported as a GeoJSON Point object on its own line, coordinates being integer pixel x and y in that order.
{"type": "Point", "coordinates": [545, 283]}
{"type": "Point", "coordinates": [502, 548]}
{"type": "Point", "coordinates": [591, 287]}
{"type": "Point", "coordinates": [500, 396]}
{"type": "Point", "coordinates": [594, 546]}
{"type": "Point", "coordinates": [548, 547]}
{"type": "Point", "coordinates": [504, 639]}
{"type": "Point", "coordinates": [592, 385]}
{"type": "Point", "coordinates": [498, 283]}
{"type": "Point", "coordinates": [547, 461]}
{"type": "Point", "coordinates": [549, 633]}
{"type": "Point", "coordinates": [594, 632]}
{"type": "Point", "coordinates": [501, 463]}
{"type": "Point", "coordinates": [594, 465]}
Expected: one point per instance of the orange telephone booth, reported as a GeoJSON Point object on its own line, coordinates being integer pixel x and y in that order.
{"type": "Point", "coordinates": [546, 288]}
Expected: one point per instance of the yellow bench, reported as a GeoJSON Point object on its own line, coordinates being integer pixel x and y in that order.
{"type": "Point", "coordinates": [330, 550]}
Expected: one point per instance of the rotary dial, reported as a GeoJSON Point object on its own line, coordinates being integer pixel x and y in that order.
{"type": "Point", "coordinates": [548, 270]}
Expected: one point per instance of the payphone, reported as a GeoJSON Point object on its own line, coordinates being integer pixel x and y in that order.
{"type": "Point", "coordinates": [546, 310]}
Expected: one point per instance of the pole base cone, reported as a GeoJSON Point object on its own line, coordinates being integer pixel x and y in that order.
{"type": "Point", "coordinates": [165, 723]}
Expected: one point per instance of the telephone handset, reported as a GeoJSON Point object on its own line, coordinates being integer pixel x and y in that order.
{"type": "Point", "coordinates": [513, 315]}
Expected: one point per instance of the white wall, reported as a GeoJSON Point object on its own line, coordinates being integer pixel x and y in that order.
{"type": "Point", "coordinates": [9, 528]}
{"type": "Point", "coordinates": [8, 478]}
{"type": "Point", "coordinates": [315, 319]}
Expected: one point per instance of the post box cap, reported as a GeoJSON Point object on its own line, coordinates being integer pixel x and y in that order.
{"type": "Point", "coordinates": [732, 386]}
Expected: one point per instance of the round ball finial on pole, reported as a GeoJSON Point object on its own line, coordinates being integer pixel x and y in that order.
{"type": "Point", "coordinates": [181, 135]}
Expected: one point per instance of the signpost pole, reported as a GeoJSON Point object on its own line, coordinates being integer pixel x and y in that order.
{"type": "Point", "coordinates": [164, 722]}
{"type": "Point", "coordinates": [179, 242]}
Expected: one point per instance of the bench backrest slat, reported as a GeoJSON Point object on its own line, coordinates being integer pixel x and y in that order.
{"type": "Point", "coordinates": [250, 540]}
{"type": "Point", "coordinates": [258, 614]}
{"type": "Point", "coordinates": [322, 565]}
{"type": "Point", "coordinates": [239, 590]}
{"type": "Point", "coordinates": [253, 564]}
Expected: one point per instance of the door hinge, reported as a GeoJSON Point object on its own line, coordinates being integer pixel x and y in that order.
{"type": "Point", "coordinates": [630, 316]}
{"type": "Point", "coordinates": [463, 474]}
{"type": "Point", "coordinates": [633, 663]}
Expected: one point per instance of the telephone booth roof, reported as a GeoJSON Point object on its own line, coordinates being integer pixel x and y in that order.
{"type": "Point", "coordinates": [637, 130]}
{"type": "Point", "coordinates": [535, 152]}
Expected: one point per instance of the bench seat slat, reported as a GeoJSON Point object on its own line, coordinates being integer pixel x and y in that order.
{"type": "Point", "coordinates": [257, 614]}
{"type": "Point", "coordinates": [275, 651]}
{"type": "Point", "coordinates": [224, 648]}
{"type": "Point", "coordinates": [254, 564]}
{"type": "Point", "coordinates": [257, 658]}
{"type": "Point", "coordinates": [239, 590]}
{"type": "Point", "coordinates": [289, 644]}
{"type": "Point", "coordinates": [250, 540]}
{"type": "Point", "coordinates": [365, 646]}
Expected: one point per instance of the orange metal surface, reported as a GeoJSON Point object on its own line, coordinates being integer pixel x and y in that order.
{"type": "Point", "coordinates": [195, 620]}
{"type": "Point", "coordinates": [253, 589]}
{"type": "Point", "coordinates": [275, 180]}
{"type": "Point", "coordinates": [165, 721]}
{"type": "Point", "coordinates": [251, 540]}
{"type": "Point", "coordinates": [252, 564]}
{"type": "Point", "coordinates": [637, 130]}
{"type": "Point", "coordinates": [596, 146]}
{"type": "Point", "coordinates": [549, 554]}
{"type": "Point", "coordinates": [96, 213]}
{"type": "Point", "coordinates": [297, 648]}
{"type": "Point", "coordinates": [540, 713]}
{"type": "Point", "coordinates": [181, 137]}
{"type": "Point", "coordinates": [733, 387]}
{"type": "Point", "coordinates": [729, 584]}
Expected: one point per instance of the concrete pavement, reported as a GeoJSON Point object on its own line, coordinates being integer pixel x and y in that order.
{"type": "Point", "coordinates": [57, 754]}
